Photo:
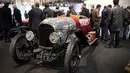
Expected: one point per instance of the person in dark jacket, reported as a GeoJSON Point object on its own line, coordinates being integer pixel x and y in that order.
{"type": "Point", "coordinates": [71, 11]}
{"type": "Point", "coordinates": [26, 15]}
{"type": "Point", "coordinates": [109, 9]}
{"type": "Point", "coordinates": [47, 12]}
{"type": "Point", "coordinates": [91, 14]}
{"type": "Point", "coordinates": [35, 17]}
{"type": "Point", "coordinates": [103, 16]}
{"type": "Point", "coordinates": [29, 15]}
{"type": "Point", "coordinates": [104, 24]}
{"type": "Point", "coordinates": [85, 11]}
{"type": "Point", "coordinates": [7, 21]}
{"type": "Point", "coordinates": [57, 12]}
{"type": "Point", "coordinates": [17, 15]}
{"type": "Point", "coordinates": [117, 21]}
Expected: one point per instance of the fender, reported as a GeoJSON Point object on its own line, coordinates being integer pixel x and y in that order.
{"type": "Point", "coordinates": [72, 40]}
{"type": "Point", "coordinates": [81, 36]}
{"type": "Point", "coordinates": [18, 30]}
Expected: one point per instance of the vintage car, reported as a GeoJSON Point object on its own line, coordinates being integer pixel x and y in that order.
{"type": "Point", "coordinates": [82, 22]}
{"type": "Point", "coordinates": [58, 38]}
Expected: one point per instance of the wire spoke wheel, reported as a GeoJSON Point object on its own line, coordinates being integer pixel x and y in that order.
{"type": "Point", "coordinates": [19, 48]}
{"type": "Point", "coordinates": [74, 60]}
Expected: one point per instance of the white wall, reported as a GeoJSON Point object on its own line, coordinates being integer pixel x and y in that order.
{"type": "Point", "coordinates": [33, 1]}
{"type": "Point", "coordinates": [123, 3]}
{"type": "Point", "coordinates": [107, 2]}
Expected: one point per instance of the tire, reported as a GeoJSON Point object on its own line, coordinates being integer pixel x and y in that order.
{"type": "Point", "coordinates": [13, 49]}
{"type": "Point", "coordinates": [69, 57]}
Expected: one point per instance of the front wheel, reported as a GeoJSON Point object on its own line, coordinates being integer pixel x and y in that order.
{"type": "Point", "coordinates": [72, 59]}
{"type": "Point", "coordinates": [19, 49]}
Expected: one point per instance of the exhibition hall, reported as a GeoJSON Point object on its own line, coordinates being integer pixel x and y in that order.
{"type": "Point", "coordinates": [64, 36]}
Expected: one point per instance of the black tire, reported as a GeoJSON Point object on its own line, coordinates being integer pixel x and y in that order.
{"type": "Point", "coordinates": [13, 49]}
{"type": "Point", "coordinates": [69, 57]}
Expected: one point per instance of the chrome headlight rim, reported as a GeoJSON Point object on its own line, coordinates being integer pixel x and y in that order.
{"type": "Point", "coordinates": [54, 37]}
{"type": "Point", "coordinates": [29, 35]}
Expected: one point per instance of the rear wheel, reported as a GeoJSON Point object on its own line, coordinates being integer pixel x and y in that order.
{"type": "Point", "coordinates": [72, 59]}
{"type": "Point", "coordinates": [19, 49]}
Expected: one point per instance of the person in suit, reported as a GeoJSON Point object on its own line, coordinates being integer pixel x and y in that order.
{"type": "Point", "coordinates": [26, 15]}
{"type": "Point", "coordinates": [91, 14]}
{"type": "Point", "coordinates": [85, 11]}
{"type": "Point", "coordinates": [104, 24]}
{"type": "Point", "coordinates": [17, 15]}
{"type": "Point", "coordinates": [29, 16]}
{"type": "Point", "coordinates": [7, 21]}
{"type": "Point", "coordinates": [117, 21]}
{"type": "Point", "coordinates": [57, 12]}
{"type": "Point", "coordinates": [71, 11]}
{"type": "Point", "coordinates": [47, 12]}
{"type": "Point", "coordinates": [35, 17]}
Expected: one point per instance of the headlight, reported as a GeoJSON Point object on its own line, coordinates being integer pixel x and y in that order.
{"type": "Point", "coordinates": [54, 37]}
{"type": "Point", "coordinates": [29, 35]}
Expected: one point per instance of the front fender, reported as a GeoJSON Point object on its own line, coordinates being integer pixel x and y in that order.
{"type": "Point", "coordinates": [72, 40]}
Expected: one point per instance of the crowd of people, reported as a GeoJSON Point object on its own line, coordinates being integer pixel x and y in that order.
{"type": "Point", "coordinates": [35, 16]}
{"type": "Point", "coordinates": [111, 21]}
{"type": "Point", "coordinates": [115, 20]}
